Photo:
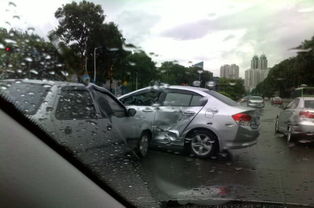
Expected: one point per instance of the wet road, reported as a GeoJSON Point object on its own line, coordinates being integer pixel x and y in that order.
{"type": "Point", "coordinates": [270, 171]}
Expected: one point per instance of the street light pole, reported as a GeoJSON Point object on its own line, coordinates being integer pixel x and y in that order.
{"type": "Point", "coordinates": [136, 80]}
{"type": "Point", "coordinates": [95, 49]}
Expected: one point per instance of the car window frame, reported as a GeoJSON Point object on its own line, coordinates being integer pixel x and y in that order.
{"type": "Point", "coordinates": [95, 90]}
{"type": "Point", "coordinates": [163, 97]}
{"type": "Point", "coordinates": [143, 92]}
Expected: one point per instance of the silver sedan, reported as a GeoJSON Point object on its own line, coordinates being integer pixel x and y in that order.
{"type": "Point", "coordinates": [198, 120]}
{"type": "Point", "coordinates": [297, 119]}
{"type": "Point", "coordinates": [256, 102]}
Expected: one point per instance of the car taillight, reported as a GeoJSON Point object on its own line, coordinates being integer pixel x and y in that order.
{"type": "Point", "coordinates": [306, 114]}
{"type": "Point", "coordinates": [242, 119]}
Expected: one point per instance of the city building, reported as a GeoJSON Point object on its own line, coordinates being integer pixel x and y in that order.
{"type": "Point", "coordinates": [254, 62]}
{"type": "Point", "coordinates": [262, 64]}
{"type": "Point", "coordinates": [229, 71]}
{"type": "Point", "coordinates": [258, 72]}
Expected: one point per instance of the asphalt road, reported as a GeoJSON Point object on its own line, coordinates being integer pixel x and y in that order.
{"type": "Point", "coordinates": [271, 171]}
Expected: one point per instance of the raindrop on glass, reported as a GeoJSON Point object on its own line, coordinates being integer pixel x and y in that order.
{"type": "Point", "coordinates": [12, 4]}
{"type": "Point", "coordinates": [10, 41]}
{"type": "Point", "coordinates": [113, 49]}
{"type": "Point", "coordinates": [31, 29]}
{"type": "Point", "coordinates": [33, 71]}
{"type": "Point", "coordinates": [64, 73]}
{"type": "Point", "coordinates": [28, 59]}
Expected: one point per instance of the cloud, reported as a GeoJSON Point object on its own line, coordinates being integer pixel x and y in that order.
{"type": "Point", "coordinates": [189, 31]}
{"type": "Point", "coordinates": [229, 37]}
{"type": "Point", "coordinates": [136, 25]}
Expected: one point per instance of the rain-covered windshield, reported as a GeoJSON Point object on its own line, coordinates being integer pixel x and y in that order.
{"type": "Point", "coordinates": [28, 97]}
{"type": "Point", "coordinates": [170, 102]}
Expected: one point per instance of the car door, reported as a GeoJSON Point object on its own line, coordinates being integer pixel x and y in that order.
{"type": "Point", "coordinates": [145, 103]}
{"type": "Point", "coordinates": [80, 127]}
{"type": "Point", "coordinates": [123, 126]}
{"type": "Point", "coordinates": [286, 115]}
{"type": "Point", "coordinates": [178, 109]}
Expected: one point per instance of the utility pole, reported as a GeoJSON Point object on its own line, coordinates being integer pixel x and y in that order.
{"type": "Point", "coordinates": [95, 49]}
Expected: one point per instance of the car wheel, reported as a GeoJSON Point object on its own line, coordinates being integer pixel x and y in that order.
{"type": "Point", "coordinates": [277, 126]}
{"type": "Point", "coordinates": [289, 134]}
{"type": "Point", "coordinates": [143, 144]}
{"type": "Point", "coordinates": [203, 143]}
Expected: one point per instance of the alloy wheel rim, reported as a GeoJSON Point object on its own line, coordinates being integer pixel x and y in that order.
{"type": "Point", "coordinates": [202, 144]}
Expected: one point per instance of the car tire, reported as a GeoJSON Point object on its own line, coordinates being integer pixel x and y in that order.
{"type": "Point", "coordinates": [289, 135]}
{"type": "Point", "coordinates": [203, 143]}
{"type": "Point", "coordinates": [143, 144]}
{"type": "Point", "coordinates": [277, 125]}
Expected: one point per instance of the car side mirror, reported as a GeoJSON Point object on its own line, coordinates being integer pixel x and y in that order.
{"type": "Point", "coordinates": [131, 112]}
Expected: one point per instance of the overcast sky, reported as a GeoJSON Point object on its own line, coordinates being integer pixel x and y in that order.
{"type": "Point", "coordinates": [217, 32]}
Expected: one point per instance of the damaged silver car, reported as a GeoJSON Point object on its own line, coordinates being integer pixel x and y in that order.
{"type": "Point", "coordinates": [198, 120]}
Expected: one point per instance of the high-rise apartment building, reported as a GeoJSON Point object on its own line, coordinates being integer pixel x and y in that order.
{"type": "Point", "coordinates": [257, 73]}
{"type": "Point", "coordinates": [229, 71]}
{"type": "Point", "coordinates": [254, 62]}
{"type": "Point", "coordinates": [262, 64]}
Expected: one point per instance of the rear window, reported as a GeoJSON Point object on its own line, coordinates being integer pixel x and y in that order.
{"type": "Point", "coordinates": [309, 104]}
{"type": "Point", "coordinates": [222, 98]}
{"type": "Point", "coordinates": [256, 98]}
{"type": "Point", "coordinates": [28, 97]}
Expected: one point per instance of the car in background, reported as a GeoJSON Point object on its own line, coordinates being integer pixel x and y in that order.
{"type": "Point", "coordinates": [198, 120]}
{"type": "Point", "coordinates": [244, 99]}
{"type": "Point", "coordinates": [81, 118]}
{"type": "Point", "coordinates": [276, 101]}
{"type": "Point", "coordinates": [256, 102]}
{"type": "Point", "coordinates": [296, 119]}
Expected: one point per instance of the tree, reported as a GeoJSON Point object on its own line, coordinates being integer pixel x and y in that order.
{"type": "Point", "coordinates": [140, 71]}
{"type": "Point", "coordinates": [173, 73]}
{"type": "Point", "coordinates": [176, 74]}
{"type": "Point", "coordinates": [82, 29]}
{"type": "Point", "coordinates": [290, 73]}
{"type": "Point", "coordinates": [30, 56]}
{"type": "Point", "coordinates": [233, 88]}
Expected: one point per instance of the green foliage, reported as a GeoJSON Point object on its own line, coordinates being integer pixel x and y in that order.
{"type": "Point", "coordinates": [290, 73]}
{"type": "Point", "coordinates": [82, 30]}
{"type": "Point", "coordinates": [232, 88]}
{"type": "Point", "coordinates": [140, 68]}
{"type": "Point", "coordinates": [30, 57]}
{"type": "Point", "coordinates": [175, 74]}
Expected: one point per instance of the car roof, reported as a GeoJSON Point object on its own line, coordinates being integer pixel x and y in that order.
{"type": "Point", "coordinates": [305, 98]}
{"type": "Point", "coordinates": [50, 82]}
{"type": "Point", "coordinates": [199, 90]}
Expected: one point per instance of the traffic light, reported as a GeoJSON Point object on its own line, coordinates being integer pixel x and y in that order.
{"type": "Point", "coordinates": [8, 49]}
